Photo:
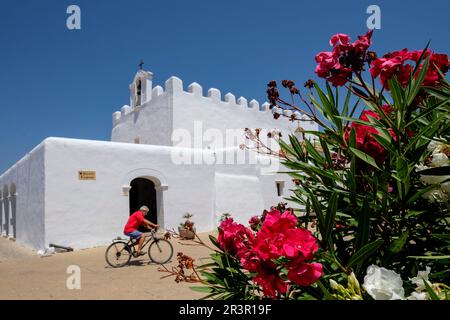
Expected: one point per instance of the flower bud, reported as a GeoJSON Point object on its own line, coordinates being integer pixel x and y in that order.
{"type": "Point", "coordinates": [353, 282]}
{"type": "Point", "coordinates": [334, 285]}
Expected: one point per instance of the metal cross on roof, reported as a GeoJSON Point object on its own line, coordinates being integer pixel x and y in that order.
{"type": "Point", "coordinates": [141, 64]}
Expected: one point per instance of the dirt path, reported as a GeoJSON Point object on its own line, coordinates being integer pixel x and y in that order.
{"type": "Point", "coordinates": [9, 250]}
{"type": "Point", "coordinates": [33, 277]}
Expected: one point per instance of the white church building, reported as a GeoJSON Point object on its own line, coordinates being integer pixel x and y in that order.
{"type": "Point", "coordinates": [173, 149]}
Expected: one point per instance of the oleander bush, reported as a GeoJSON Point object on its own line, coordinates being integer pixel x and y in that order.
{"type": "Point", "coordinates": [373, 184]}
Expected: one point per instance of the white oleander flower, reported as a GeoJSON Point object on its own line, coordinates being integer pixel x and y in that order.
{"type": "Point", "coordinates": [420, 279]}
{"type": "Point", "coordinates": [433, 179]}
{"type": "Point", "coordinates": [434, 146]}
{"type": "Point", "coordinates": [439, 160]}
{"type": "Point", "coordinates": [418, 296]}
{"type": "Point", "coordinates": [383, 284]}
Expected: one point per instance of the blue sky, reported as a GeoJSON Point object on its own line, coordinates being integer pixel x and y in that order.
{"type": "Point", "coordinates": [56, 82]}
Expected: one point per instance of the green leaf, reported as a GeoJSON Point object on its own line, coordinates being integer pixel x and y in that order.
{"type": "Point", "coordinates": [427, 131]}
{"type": "Point", "coordinates": [365, 252]}
{"type": "Point", "coordinates": [443, 237]}
{"type": "Point", "coordinates": [430, 257]}
{"type": "Point", "coordinates": [419, 61]}
{"type": "Point", "coordinates": [421, 192]}
{"type": "Point", "coordinates": [430, 291]}
{"type": "Point", "coordinates": [325, 102]}
{"type": "Point", "coordinates": [363, 231]}
{"type": "Point", "coordinates": [365, 157]}
{"type": "Point", "coordinates": [330, 94]}
{"type": "Point", "coordinates": [416, 84]}
{"type": "Point", "coordinates": [360, 92]}
{"type": "Point", "coordinates": [299, 153]}
{"type": "Point", "coordinates": [402, 169]}
{"type": "Point", "coordinates": [386, 144]}
{"type": "Point", "coordinates": [326, 151]}
{"type": "Point", "coordinates": [214, 241]}
{"type": "Point", "coordinates": [399, 243]}
{"type": "Point", "coordinates": [202, 289]}
{"type": "Point", "coordinates": [346, 103]}
{"type": "Point", "coordinates": [327, 295]}
{"type": "Point", "coordinates": [438, 93]}
{"type": "Point", "coordinates": [402, 176]}
{"type": "Point", "coordinates": [313, 152]}
{"type": "Point", "coordinates": [352, 173]}
{"type": "Point", "coordinates": [319, 214]}
{"type": "Point", "coordinates": [429, 110]}
{"type": "Point", "coordinates": [397, 93]}
{"type": "Point", "coordinates": [441, 275]}
{"type": "Point", "coordinates": [330, 217]}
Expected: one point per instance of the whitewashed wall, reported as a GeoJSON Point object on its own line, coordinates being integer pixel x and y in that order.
{"type": "Point", "coordinates": [25, 206]}
{"type": "Point", "coordinates": [88, 213]}
{"type": "Point", "coordinates": [151, 123]}
{"type": "Point", "coordinates": [83, 214]}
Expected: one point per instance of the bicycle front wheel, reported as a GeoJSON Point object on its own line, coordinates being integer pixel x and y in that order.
{"type": "Point", "coordinates": [160, 251]}
{"type": "Point", "coordinates": [118, 254]}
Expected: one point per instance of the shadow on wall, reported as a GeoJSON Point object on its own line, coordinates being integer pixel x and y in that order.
{"type": "Point", "coordinates": [5, 211]}
{"type": "Point", "coordinates": [13, 203]}
{"type": "Point", "coordinates": [2, 219]}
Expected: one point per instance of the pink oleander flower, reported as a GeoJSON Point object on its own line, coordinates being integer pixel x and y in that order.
{"type": "Point", "coordinates": [394, 64]}
{"type": "Point", "coordinates": [270, 281]}
{"type": "Point", "coordinates": [338, 65]}
{"type": "Point", "coordinates": [233, 237]}
{"type": "Point", "coordinates": [305, 274]}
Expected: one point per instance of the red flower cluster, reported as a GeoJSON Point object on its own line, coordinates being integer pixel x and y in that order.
{"type": "Point", "coordinates": [338, 65]}
{"type": "Point", "coordinates": [364, 136]}
{"type": "Point", "coordinates": [279, 237]}
{"type": "Point", "coordinates": [394, 64]}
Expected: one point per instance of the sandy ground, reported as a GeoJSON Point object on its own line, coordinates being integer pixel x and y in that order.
{"type": "Point", "coordinates": [24, 275]}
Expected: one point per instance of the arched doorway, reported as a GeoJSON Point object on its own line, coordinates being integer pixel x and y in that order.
{"type": "Point", "coordinates": [143, 193]}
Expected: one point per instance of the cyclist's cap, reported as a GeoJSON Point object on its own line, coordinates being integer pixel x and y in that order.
{"type": "Point", "coordinates": [144, 208]}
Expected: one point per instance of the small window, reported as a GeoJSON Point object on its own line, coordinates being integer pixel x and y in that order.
{"type": "Point", "coordinates": [137, 140]}
{"type": "Point", "coordinates": [280, 188]}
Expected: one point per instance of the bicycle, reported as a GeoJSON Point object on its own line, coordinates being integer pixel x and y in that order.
{"type": "Point", "coordinates": [119, 253]}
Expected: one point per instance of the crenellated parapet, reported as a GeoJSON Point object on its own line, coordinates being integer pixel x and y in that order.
{"type": "Point", "coordinates": [174, 87]}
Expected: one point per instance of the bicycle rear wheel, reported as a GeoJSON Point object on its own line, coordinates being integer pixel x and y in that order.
{"type": "Point", "coordinates": [118, 254]}
{"type": "Point", "coordinates": [160, 251]}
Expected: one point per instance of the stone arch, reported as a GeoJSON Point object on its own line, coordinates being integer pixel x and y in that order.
{"type": "Point", "coordinates": [13, 210]}
{"type": "Point", "coordinates": [6, 215]}
{"type": "Point", "coordinates": [160, 185]}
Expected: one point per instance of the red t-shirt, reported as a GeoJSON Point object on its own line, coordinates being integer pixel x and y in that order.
{"type": "Point", "coordinates": [134, 222]}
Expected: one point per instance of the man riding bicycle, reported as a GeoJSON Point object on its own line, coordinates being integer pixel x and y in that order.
{"type": "Point", "coordinates": [134, 222]}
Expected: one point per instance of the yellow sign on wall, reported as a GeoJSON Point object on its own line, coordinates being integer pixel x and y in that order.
{"type": "Point", "coordinates": [87, 175]}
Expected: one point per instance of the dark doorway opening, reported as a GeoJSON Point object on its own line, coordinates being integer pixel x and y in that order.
{"type": "Point", "coordinates": [143, 193]}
